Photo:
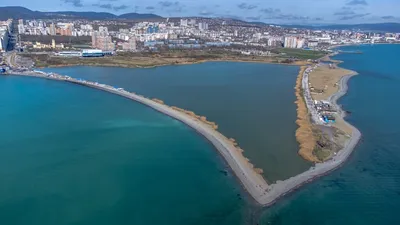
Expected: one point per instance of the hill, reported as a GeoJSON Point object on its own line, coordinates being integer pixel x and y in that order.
{"type": "Point", "coordinates": [17, 12]}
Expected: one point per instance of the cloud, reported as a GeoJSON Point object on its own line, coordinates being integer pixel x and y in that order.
{"type": "Point", "coordinates": [388, 17]}
{"type": "Point", "coordinates": [291, 17]}
{"type": "Point", "coordinates": [103, 6]}
{"type": "Point", "coordinates": [344, 11]}
{"type": "Point", "coordinates": [75, 3]}
{"type": "Point", "coordinates": [357, 2]}
{"type": "Point", "coordinates": [121, 7]}
{"type": "Point", "coordinates": [276, 14]}
{"type": "Point", "coordinates": [150, 8]}
{"type": "Point", "coordinates": [246, 6]}
{"type": "Point", "coordinates": [171, 6]}
{"type": "Point", "coordinates": [111, 7]}
{"type": "Point", "coordinates": [270, 10]}
{"type": "Point", "coordinates": [167, 4]}
{"type": "Point", "coordinates": [355, 16]}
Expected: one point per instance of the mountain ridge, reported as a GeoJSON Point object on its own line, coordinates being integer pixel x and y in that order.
{"type": "Point", "coordinates": [18, 12]}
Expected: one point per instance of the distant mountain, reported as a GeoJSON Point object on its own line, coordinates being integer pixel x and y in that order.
{"type": "Point", "coordinates": [80, 15]}
{"type": "Point", "coordinates": [376, 27]}
{"type": "Point", "coordinates": [139, 16]}
{"type": "Point", "coordinates": [17, 12]}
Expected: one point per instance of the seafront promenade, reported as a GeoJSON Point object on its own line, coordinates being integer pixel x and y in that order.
{"type": "Point", "coordinates": [252, 182]}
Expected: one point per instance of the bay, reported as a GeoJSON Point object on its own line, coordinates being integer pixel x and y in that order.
{"type": "Point", "coordinates": [74, 155]}
{"type": "Point", "coordinates": [251, 102]}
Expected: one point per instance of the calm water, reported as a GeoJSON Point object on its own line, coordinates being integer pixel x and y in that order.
{"type": "Point", "coordinates": [74, 155]}
{"type": "Point", "coordinates": [366, 191]}
{"type": "Point", "coordinates": [253, 103]}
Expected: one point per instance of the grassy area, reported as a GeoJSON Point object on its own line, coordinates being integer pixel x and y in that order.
{"type": "Point", "coordinates": [322, 154]}
{"type": "Point", "coordinates": [151, 59]}
{"type": "Point", "coordinates": [300, 53]}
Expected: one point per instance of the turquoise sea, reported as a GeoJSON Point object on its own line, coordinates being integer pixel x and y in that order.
{"type": "Point", "coordinates": [366, 190]}
{"type": "Point", "coordinates": [251, 102]}
{"type": "Point", "coordinates": [74, 155]}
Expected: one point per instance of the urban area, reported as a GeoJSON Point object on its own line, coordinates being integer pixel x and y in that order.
{"type": "Point", "coordinates": [84, 38]}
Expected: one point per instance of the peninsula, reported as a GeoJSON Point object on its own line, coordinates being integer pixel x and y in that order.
{"type": "Point", "coordinates": [250, 177]}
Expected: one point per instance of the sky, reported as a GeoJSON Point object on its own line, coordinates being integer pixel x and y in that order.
{"type": "Point", "coordinates": [269, 11]}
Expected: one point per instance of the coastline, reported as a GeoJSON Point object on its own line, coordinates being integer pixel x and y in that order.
{"type": "Point", "coordinates": [253, 183]}
{"type": "Point", "coordinates": [282, 188]}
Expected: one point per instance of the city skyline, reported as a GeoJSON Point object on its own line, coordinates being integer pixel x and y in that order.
{"type": "Point", "coordinates": [281, 12]}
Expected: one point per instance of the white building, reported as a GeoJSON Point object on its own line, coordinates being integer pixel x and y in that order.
{"type": "Point", "coordinates": [184, 23]}
{"type": "Point", "coordinates": [290, 42]}
{"type": "Point", "coordinates": [3, 39]}
{"type": "Point", "coordinates": [21, 29]}
{"type": "Point", "coordinates": [130, 45]}
{"type": "Point", "coordinates": [203, 26]}
{"type": "Point", "coordinates": [300, 42]}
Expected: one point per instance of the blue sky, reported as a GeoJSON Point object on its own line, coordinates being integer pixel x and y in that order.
{"type": "Point", "coordinates": [271, 11]}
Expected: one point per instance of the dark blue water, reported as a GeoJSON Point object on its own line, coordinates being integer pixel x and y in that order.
{"type": "Point", "coordinates": [366, 191]}
{"type": "Point", "coordinates": [251, 102]}
{"type": "Point", "coordinates": [74, 155]}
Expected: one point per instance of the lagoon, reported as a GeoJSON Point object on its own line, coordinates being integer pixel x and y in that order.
{"type": "Point", "coordinates": [251, 102]}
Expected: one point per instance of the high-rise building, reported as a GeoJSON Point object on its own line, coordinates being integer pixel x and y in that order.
{"type": "Point", "coordinates": [21, 29]}
{"type": "Point", "coordinates": [52, 29]}
{"type": "Point", "coordinates": [184, 22]}
{"type": "Point", "coordinates": [20, 22]}
{"type": "Point", "coordinates": [3, 39]}
{"type": "Point", "coordinates": [130, 45]}
{"type": "Point", "coordinates": [203, 26]}
{"type": "Point", "coordinates": [290, 42]}
{"type": "Point", "coordinates": [192, 22]}
{"type": "Point", "coordinates": [101, 40]}
{"type": "Point", "coordinates": [300, 43]}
